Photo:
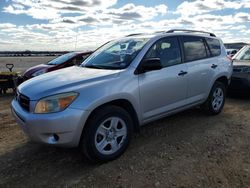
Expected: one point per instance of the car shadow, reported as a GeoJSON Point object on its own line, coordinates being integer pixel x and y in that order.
{"type": "Point", "coordinates": [34, 164]}
{"type": "Point", "coordinates": [239, 96]}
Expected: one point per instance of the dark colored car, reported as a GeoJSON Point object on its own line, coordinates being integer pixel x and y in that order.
{"type": "Point", "coordinates": [63, 61]}
{"type": "Point", "coordinates": [241, 71]}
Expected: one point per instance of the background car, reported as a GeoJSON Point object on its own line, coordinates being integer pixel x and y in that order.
{"type": "Point", "coordinates": [63, 61]}
{"type": "Point", "coordinates": [241, 71]}
{"type": "Point", "coordinates": [232, 52]}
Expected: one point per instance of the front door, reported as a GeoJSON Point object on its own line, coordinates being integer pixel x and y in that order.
{"type": "Point", "coordinates": [166, 89]}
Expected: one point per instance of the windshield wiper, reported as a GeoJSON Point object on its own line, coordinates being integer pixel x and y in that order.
{"type": "Point", "coordinates": [102, 67]}
{"type": "Point", "coordinates": [94, 66]}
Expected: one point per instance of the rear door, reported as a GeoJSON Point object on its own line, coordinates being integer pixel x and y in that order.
{"type": "Point", "coordinates": [166, 89]}
{"type": "Point", "coordinates": [196, 57]}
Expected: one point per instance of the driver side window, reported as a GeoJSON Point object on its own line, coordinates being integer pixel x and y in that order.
{"type": "Point", "coordinates": [167, 50]}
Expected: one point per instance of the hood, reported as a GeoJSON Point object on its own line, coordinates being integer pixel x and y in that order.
{"type": "Point", "coordinates": [241, 63]}
{"type": "Point", "coordinates": [64, 80]}
{"type": "Point", "coordinates": [28, 73]}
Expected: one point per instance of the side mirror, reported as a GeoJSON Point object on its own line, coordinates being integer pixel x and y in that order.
{"type": "Point", "coordinates": [149, 65]}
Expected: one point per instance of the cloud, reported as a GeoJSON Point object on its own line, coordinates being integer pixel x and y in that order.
{"type": "Point", "coordinates": [188, 8]}
{"type": "Point", "coordinates": [53, 9]}
{"type": "Point", "coordinates": [133, 12]}
{"type": "Point", "coordinates": [95, 22]}
{"type": "Point", "coordinates": [246, 3]}
{"type": "Point", "coordinates": [6, 26]}
{"type": "Point", "coordinates": [89, 19]}
{"type": "Point", "coordinates": [68, 21]}
{"type": "Point", "coordinates": [242, 17]}
{"type": "Point", "coordinates": [38, 13]}
{"type": "Point", "coordinates": [89, 11]}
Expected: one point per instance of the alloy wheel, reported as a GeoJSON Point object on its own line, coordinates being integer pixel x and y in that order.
{"type": "Point", "coordinates": [110, 135]}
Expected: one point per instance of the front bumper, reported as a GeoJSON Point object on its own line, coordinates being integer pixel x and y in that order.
{"type": "Point", "coordinates": [61, 129]}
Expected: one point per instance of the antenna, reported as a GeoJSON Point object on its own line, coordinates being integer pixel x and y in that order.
{"type": "Point", "coordinates": [76, 39]}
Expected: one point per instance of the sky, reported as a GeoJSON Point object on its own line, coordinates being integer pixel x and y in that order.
{"type": "Point", "coordinates": [86, 24]}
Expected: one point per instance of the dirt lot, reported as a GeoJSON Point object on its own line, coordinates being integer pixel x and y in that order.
{"type": "Point", "coordinates": [190, 149]}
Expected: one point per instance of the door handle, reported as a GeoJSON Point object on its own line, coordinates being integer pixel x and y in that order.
{"type": "Point", "coordinates": [182, 73]}
{"type": "Point", "coordinates": [214, 66]}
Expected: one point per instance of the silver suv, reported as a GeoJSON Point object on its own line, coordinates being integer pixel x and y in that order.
{"type": "Point", "coordinates": [123, 85]}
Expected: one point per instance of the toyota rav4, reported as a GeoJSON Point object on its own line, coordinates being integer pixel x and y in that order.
{"type": "Point", "coordinates": [125, 84]}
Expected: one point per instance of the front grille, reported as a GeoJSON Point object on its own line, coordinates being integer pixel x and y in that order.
{"type": "Point", "coordinates": [23, 100]}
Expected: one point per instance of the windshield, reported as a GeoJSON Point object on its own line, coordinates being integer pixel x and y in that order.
{"type": "Point", "coordinates": [244, 54]}
{"type": "Point", "coordinates": [116, 54]}
{"type": "Point", "coordinates": [61, 59]}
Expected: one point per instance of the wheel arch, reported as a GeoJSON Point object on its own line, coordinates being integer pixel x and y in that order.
{"type": "Point", "coordinates": [123, 103]}
{"type": "Point", "coordinates": [224, 80]}
{"type": "Point", "coordinates": [220, 78]}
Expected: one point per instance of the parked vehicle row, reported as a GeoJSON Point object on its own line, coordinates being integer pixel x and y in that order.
{"type": "Point", "coordinates": [123, 85]}
{"type": "Point", "coordinates": [241, 72]}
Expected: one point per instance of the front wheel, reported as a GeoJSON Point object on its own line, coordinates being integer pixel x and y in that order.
{"type": "Point", "coordinates": [216, 99]}
{"type": "Point", "coordinates": [107, 134]}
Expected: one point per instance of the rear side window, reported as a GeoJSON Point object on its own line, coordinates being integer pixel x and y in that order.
{"type": "Point", "coordinates": [194, 48]}
{"type": "Point", "coordinates": [214, 46]}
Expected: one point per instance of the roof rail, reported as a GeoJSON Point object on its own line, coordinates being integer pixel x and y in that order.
{"type": "Point", "coordinates": [134, 34]}
{"type": "Point", "coordinates": [159, 31]}
{"type": "Point", "coordinates": [191, 31]}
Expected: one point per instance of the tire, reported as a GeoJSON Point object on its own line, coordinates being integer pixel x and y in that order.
{"type": "Point", "coordinates": [107, 134]}
{"type": "Point", "coordinates": [216, 99]}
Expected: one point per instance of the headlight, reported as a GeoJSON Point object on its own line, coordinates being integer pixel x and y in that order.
{"type": "Point", "coordinates": [37, 73]}
{"type": "Point", "coordinates": [55, 103]}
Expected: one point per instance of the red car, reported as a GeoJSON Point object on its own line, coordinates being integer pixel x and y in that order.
{"type": "Point", "coordinates": [63, 61]}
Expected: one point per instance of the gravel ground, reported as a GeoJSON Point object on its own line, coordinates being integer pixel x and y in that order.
{"type": "Point", "coordinates": [190, 149]}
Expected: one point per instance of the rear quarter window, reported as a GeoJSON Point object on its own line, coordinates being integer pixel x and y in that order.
{"type": "Point", "coordinates": [214, 46]}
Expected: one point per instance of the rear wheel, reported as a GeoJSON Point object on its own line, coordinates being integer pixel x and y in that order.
{"type": "Point", "coordinates": [107, 134]}
{"type": "Point", "coordinates": [216, 99]}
